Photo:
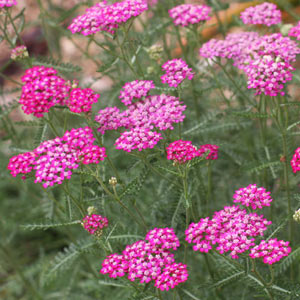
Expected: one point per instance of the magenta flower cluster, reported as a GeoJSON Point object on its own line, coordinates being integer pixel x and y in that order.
{"type": "Point", "coordinates": [295, 162]}
{"type": "Point", "coordinates": [266, 60]}
{"type": "Point", "coordinates": [149, 259]}
{"type": "Point", "coordinates": [188, 14]}
{"type": "Point", "coordinates": [176, 71]}
{"type": "Point", "coordinates": [43, 89]}
{"type": "Point", "coordinates": [182, 151]}
{"type": "Point", "coordinates": [231, 228]}
{"type": "Point", "coordinates": [7, 3]}
{"type": "Point", "coordinates": [54, 160]}
{"type": "Point", "coordinates": [104, 17]}
{"type": "Point", "coordinates": [135, 89]}
{"type": "Point", "coordinates": [253, 196]}
{"type": "Point", "coordinates": [140, 118]}
{"type": "Point", "coordinates": [295, 31]}
{"type": "Point", "coordinates": [94, 223]}
{"type": "Point", "coordinates": [271, 251]}
{"type": "Point", "coordinates": [262, 14]}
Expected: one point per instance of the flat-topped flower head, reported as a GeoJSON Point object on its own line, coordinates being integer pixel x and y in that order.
{"type": "Point", "coordinates": [181, 151]}
{"type": "Point", "coordinates": [262, 14]}
{"type": "Point", "coordinates": [104, 17]}
{"type": "Point", "coordinates": [188, 14]}
{"type": "Point", "coordinates": [94, 224]}
{"type": "Point", "coordinates": [295, 162]}
{"type": "Point", "coordinates": [295, 31]}
{"type": "Point", "coordinates": [138, 138]}
{"type": "Point", "coordinates": [211, 149]}
{"type": "Point", "coordinates": [171, 276]}
{"type": "Point", "coordinates": [7, 3]}
{"type": "Point", "coordinates": [54, 160]}
{"type": "Point", "coordinates": [81, 100]}
{"type": "Point", "coordinates": [176, 71]}
{"type": "Point", "coordinates": [253, 196]}
{"type": "Point", "coordinates": [115, 265]}
{"type": "Point", "coordinates": [271, 251]}
{"type": "Point", "coordinates": [135, 90]}
{"type": "Point", "coordinates": [163, 237]}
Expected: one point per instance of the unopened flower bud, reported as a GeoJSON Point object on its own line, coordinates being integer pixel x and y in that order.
{"type": "Point", "coordinates": [285, 28]}
{"type": "Point", "coordinates": [296, 216]}
{"type": "Point", "coordinates": [155, 52]}
{"type": "Point", "coordinates": [19, 53]}
{"type": "Point", "coordinates": [150, 70]}
{"type": "Point", "coordinates": [113, 181]}
{"type": "Point", "coordinates": [91, 210]}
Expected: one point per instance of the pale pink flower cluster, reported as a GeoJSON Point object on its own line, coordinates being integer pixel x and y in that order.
{"type": "Point", "coordinates": [232, 229]}
{"type": "Point", "coordinates": [94, 223]}
{"type": "Point", "coordinates": [262, 14]}
{"type": "Point", "coordinates": [19, 53]}
{"type": "Point", "coordinates": [54, 159]}
{"type": "Point", "coordinates": [135, 89]}
{"type": "Point", "coordinates": [7, 3]}
{"type": "Point", "coordinates": [156, 111]}
{"type": "Point", "coordinates": [176, 71]}
{"type": "Point", "coordinates": [187, 14]}
{"type": "Point", "coordinates": [149, 259]}
{"type": "Point", "coordinates": [137, 138]}
{"type": "Point", "coordinates": [266, 60]}
{"type": "Point", "coordinates": [105, 17]}
{"type": "Point", "coordinates": [271, 251]}
{"type": "Point", "coordinates": [295, 31]}
{"type": "Point", "coordinates": [295, 162]}
{"type": "Point", "coordinates": [43, 89]}
{"type": "Point", "coordinates": [212, 149]}
{"type": "Point", "coordinates": [256, 197]}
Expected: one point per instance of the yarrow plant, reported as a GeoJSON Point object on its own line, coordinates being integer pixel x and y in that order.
{"type": "Point", "coordinates": [189, 14]}
{"type": "Point", "coordinates": [19, 53]}
{"type": "Point", "coordinates": [94, 224]}
{"type": "Point", "coordinates": [7, 3]}
{"type": "Point", "coordinates": [295, 31]}
{"type": "Point", "coordinates": [263, 14]}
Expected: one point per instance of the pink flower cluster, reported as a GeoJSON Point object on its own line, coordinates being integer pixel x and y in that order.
{"type": "Point", "coordinates": [182, 151]}
{"type": "Point", "coordinates": [104, 17]}
{"type": "Point", "coordinates": [54, 159]}
{"type": "Point", "coordinates": [295, 162]}
{"type": "Point", "coordinates": [187, 14]}
{"type": "Point", "coordinates": [94, 223]}
{"type": "Point", "coordinates": [135, 89]}
{"type": "Point", "coordinates": [256, 197]}
{"type": "Point", "coordinates": [19, 52]}
{"type": "Point", "coordinates": [159, 111]}
{"type": "Point", "coordinates": [7, 3]}
{"type": "Point", "coordinates": [231, 228]}
{"type": "Point", "coordinates": [176, 71]}
{"type": "Point", "coordinates": [43, 89]}
{"type": "Point", "coordinates": [295, 31]}
{"type": "Point", "coordinates": [271, 251]}
{"type": "Point", "coordinates": [149, 259]}
{"type": "Point", "coordinates": [266, 60]}
{"type": "Point", "coordinates": [264, 14]}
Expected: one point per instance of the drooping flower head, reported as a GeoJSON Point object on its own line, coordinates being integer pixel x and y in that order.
{"type": "Point", "coordinates": [188, 14]}
{"type": "Point", "coordinates": [7, 3]}
{"type": "Point", "coordinates": [181, 151]}
{"type": "Point", "coordinates": [271, 251]}
{"type": "Point", "coordinates": [256, 197]}
{"type": "Point", "coordinates": [263, 14]}
{"type": "Point", "coordinates": [135, 89]}
{"type": "Point", "coordinates": [176, 71]}
{"type": "Point", "coordinates": [94, 224]}
{"type": "Point", "coordinates": [295, 31]}
{"type": "Point", "coordinates": [295, 162]}
{"type": "Point", "coordinates": [104, 17]}
{"type": "Point", "coordinates": [54, 160]}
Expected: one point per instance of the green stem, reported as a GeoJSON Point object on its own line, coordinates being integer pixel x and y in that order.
{"type": "Point", "coordinates": [66, 189]}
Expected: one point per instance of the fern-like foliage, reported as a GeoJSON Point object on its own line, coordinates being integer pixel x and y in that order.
{"type": "Point", "coordinates": [52, 63]}
{"type": "Point", "coordinates": [49, 225]}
